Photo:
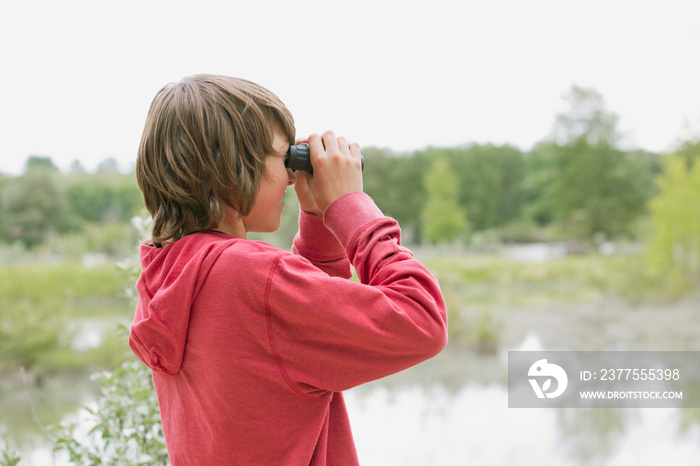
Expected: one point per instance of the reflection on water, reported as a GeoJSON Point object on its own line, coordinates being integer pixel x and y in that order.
{"type": "Point", "coordinates": [451, 410]}
{"type": "Point", "coordinates": [56, 398]}
{"type": "Point", "coordinates": [407, 420]}
{"type": "Point", "coordinates": [429, 426]}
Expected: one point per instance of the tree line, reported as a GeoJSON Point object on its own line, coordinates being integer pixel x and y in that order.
{"type": "Point", "coordinates": [43, 203]}
{"type": "Point", "coordinates": [577, 184]}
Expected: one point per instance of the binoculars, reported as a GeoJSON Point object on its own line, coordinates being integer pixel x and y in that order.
{"type": "Point", "coordinates": [298, 158]}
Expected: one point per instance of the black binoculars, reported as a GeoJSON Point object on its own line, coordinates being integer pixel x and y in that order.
{"type": "Point", "coordinates": [298, 158]}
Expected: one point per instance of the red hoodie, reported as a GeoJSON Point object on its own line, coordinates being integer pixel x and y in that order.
{"type": "Point", "coordinates": [251, 346]}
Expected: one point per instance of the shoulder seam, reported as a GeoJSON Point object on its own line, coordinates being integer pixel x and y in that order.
{"type": "Point", "coordinates": [270, 333]}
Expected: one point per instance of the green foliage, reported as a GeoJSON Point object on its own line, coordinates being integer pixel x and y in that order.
{"type": "Point", "coordinates": [674, 246]}
{"type": "Point", "coordinates": [537, 185]}
{"type": "Point", "coordinates": [112, 238]}
{"type": "Point", "coordinates": [577, 185]}
{"type": "Point", "coordinates": [34, 207]}
{"type": "Point", "coordinates": [36, 304]}
{"type": "Point", "coordinates": [76, 167]}
{"type": "Point", "coordinates": [690, 152]}
{"type": "Point", "coordinates": [125, 426]}
{"type": "Point", "coordinates": [443, 218]}
{"type": "Point", "coordinates": [105, 196]}
{"type": "Point", "coordinates": [638, 281]}
{"type": "Point", "coordinates": [483, 281]}
{"type": "Point", "coordinates": [594, 191]}
{"type": "Point", "coordinates": [29, 334]}
{"type": "Point", "coordinates": [394, 181]}
{"type": "Point", "coordinates": [586, 119]}
{"type": "Point", "coordinates": [39, 162]}
{"type": "Point", "coordinates": [486, 332]}
{"type": "Point", "coordinates": [43, 204]}
{"type": "Point", "coordinates": [9, 458]}
{"type": "Point", "coordinates": [109, 165]}
{"type": "Point", "coordinates": [489, 179]}
{"type": "Point", "coordinates": [582, 180]}
{"type": "Point", "coordinates": [40, 282]}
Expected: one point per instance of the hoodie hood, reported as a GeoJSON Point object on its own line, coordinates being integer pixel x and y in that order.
{"type": "Point", "coordinates": [170, 280]}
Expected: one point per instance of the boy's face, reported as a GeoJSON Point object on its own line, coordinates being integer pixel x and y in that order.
{"type": "Point", "coordinates": [265, 215]}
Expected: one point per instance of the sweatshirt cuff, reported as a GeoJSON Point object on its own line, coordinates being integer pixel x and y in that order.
{"type": "Point", "coordinates": [348, 214]}
{"type": "Point", "coordinates": [315, 241]}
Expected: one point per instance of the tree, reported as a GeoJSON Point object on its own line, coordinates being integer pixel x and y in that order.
{"type": "Point", "coordinates": [537, 184]}
{"type": "Point", "coordinates": [39, 162]}
{"type": "Point", "coordinates": [587, 118]}
{"type": "Point", "coordinates": [394, 181]}
{"type": "Point", "coordinates": [77, 168]}
{"type": "Point", "coordinates": [103, 197]}
{"type": "Point", "coordinates": [34, 207]}
{"type": "Point", "coordinates": [596, 190]}
{"type": "Point", "coordinates": [690, 152]}
{"type": "Point", "coordinates": [442, 216]}
{"type": "Point", "coordinates": [675, 212]}
{"type": "Point", "coordinates": [108, 165]}
{"type": "Point", "coordinates": [490, 180]}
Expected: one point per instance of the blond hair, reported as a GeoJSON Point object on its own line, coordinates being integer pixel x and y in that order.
{"type": "Point", "coordinates": [205, 141]}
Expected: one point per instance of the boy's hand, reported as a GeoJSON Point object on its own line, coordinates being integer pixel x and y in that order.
{"type": "Point", "coordinates": [337, 171]}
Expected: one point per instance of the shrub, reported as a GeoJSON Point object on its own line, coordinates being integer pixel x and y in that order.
{"type": "Point", "coordinates": [125, 427]}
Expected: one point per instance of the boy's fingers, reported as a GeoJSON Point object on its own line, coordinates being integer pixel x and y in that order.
{"type": "Point", "coordinates": [355, 150]}
{"type": "Point", "coordinates": [315, 145]}
{"type": "Point", "coordinates": [329, 141]}
{"type": "Point", "coordinates": [343, 145]}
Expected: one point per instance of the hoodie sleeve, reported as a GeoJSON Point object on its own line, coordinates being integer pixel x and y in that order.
{"type": "Point", "coordinates": [330, 334]}
{"type": "Point", "coordinates": [317, 244]}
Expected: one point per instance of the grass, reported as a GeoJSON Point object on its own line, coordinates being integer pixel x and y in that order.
{"type": "Point", "coordinates": [65, 281]}
{"type": "Point", "coordinates": [39, 302]}
{"type": "Point", "coordinates": [573, 278]}
{"type": "Point", "coordinates": [477, 288]}
{"type": "Point", "coordinates": [494, 281]}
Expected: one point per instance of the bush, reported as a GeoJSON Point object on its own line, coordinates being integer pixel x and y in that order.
{"type": "Point", "coordinates": [125, 427]}
{"type": "Point", "coordinates": [9, 458]}
{"type": "Point", "coordinates": [674, 247]}
{"type": "Point", "coordinates": [30, 333]}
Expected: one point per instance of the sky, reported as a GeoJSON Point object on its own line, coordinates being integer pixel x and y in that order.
{"type": "Point", "coordinates": [78, 76]}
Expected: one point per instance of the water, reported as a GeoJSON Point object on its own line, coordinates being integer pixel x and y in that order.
{"type": "Point", "coordinates": [57, 398]}
{"type": "Point", "coordinates": [427, 422]}
{"type": "Point", "coordinates": [451, 410]}
{"type": "Point", "coordinates": [535, 252]}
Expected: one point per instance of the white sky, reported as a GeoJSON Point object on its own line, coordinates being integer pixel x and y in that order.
{"type": "Point", "coordinates": [78, 76]}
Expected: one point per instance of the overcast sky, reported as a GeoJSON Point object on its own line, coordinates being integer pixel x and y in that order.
{"type": "Point", "coordinates": [78, 77]}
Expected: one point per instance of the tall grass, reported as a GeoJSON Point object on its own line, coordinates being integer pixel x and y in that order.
{"type": "Point", "coordinates": [476, 287]}
{"type": "Point", "coordinates": [39, 304]}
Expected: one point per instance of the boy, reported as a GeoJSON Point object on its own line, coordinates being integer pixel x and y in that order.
{"type": "Point", "coordinates": [251, 346]}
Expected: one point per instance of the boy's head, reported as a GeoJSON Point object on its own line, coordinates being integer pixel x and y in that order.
{"type": "Point", "coordinates": [205, 142]}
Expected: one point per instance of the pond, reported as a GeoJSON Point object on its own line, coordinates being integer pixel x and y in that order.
{"type": "Point", "coordinates": [414, 420]}
{"type": "Point", "coordinates": [453, 409]}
